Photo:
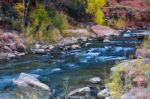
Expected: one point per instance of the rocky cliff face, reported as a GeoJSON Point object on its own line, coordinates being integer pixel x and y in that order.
{"type": "Point", "coordinates": [135, 12]}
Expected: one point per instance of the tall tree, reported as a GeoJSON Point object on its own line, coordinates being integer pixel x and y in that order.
{"type": "Point", "coordinates": [94, 7]}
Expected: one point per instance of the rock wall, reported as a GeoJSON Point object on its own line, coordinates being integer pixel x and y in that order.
{"type": "Point", "coordinates": [136, 13]}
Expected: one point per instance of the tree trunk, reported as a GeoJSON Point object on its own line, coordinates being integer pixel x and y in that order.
{"type": "Point", "coordinates": [26, 5]}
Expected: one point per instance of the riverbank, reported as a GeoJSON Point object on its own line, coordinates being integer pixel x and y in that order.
{"type": "Point", "coordinates": [14, 44]}
{"type": "Point", "coordinates": [130, 79]}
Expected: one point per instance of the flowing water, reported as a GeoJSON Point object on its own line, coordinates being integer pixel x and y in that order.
{"type": "Point", "coordinates": [78, 65]}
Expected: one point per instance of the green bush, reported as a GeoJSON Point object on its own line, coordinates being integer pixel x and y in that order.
{"type": "Point", "coordinates": [17, 24]}
{"type": "Point", "coordinates": [60, 22]}
{"type": "Point", "coordinates": [39, 28]}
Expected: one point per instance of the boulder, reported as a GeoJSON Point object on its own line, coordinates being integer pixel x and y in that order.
{"type": "Point", "coordinates": [80, 92]}
{"type": "Point", "coordinates": [8, 37]}
{"type": "Point", "coordinates": [104, 93]}
{"type": "Point", "coordinates": [139, 81]}
{"type": "Point", "coordinates": [75, 46]}
{"type": "Point", "coordinates": [50, 47]}
{"type": "Point", "coordinates": [143, 53]}
{"type": "Point", "coordinates": [136, 93]}
{"type": "Point", "coordinates": [106, 41]}
{"type": "Point", "coordinates": [7, 49]}
{"type": "Point", "coordinates": [95, 80]}
{"type": "Point", "coordinates": [37, 46]}
{"type": "Point", "coordinates": [10, 55]}
{"type": "Point", "coordinates": [65, 48]}
{"type": "Point", "coordinates": [29, 81]}
{"type": "Point", "coordinates": [20, 47]}
{"type": "Point", "coordinates": [13, 46]}
{"type": "Point", "coordinates": [87, 44]}
{"type": "Point", "coordinates": [103, 31]}
{"type": "Point", "coordinates": [20, 54]}
{"type": "Point", "coordinates": [38, 51]}
{"type": "Point", "coordinates": [3, 55]}
{"type": "Point", "coordinates": [45, 47]}
{"type": "Point", "coordinates": [148, 96]}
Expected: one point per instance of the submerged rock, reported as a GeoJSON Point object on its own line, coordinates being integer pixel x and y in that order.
{"type": "Point", "coordinates": [29, 81]}
{"type": "Point", "coordinates": [80, 92]}
{"type": "Point", "coordinates": [95, 80]}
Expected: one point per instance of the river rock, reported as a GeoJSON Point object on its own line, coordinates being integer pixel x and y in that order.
{"type": "Point", "coordinates": [26, 80]}
{"type": "Point", "coordinates": [7, 49]}
{"type": "Point", "coordinates": [87, 44]}
{"type": "Point", "coordinates": [104, 93]}
{"type": "Point", "coordinates": [136, 93]}
{"type": "Point", "coordinates": [65, 48]}
{"type": "Point", "coordinates": [95, 80]}
{"type": "Point", "coordinates": [20, 47]}
{"type": "Point", "coordinates": [143, 53]}
{"type": "Point", "coordinates": [139, 81]}
{"type": "Point", "coordinates": [39, 51]}
{"type": "Point", "coordinates": [148, 96]}
{"type": "Point", "coordinates": [3, 55]}
{"type": "Point", "coordinates": [37, 46]}
{"type": "Point", "coordinates": [80, 92]}
{"type": "Point", "coordinates": [75, 46]}
{"type": "Point", "coordinates": [8, 37]}
{"type": "Point", "coordinates": [20, 54]}
{"type": "Point", "coordinates": [50, 47]}
{"type": "Point", "coordinates": [10, 55]}
{"type": "Point", "coordinates": [13, 46]}
{"type": "Point", "coordinates": [106, 41]}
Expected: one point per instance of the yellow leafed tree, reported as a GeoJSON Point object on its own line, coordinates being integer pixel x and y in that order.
{"type": "Point", "coordinates": [98, 17]}
{"type": "Point", "coordinates": [94, 7]}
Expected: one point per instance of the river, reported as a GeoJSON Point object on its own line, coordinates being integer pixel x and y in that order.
{"type": "Point", "coordinates": [78, 65]}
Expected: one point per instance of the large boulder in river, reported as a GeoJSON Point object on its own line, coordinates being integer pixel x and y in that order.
{"type": "Point", "coordinates": [103, 31]}
{"type": "Point", "coordinates": [29, 81]}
